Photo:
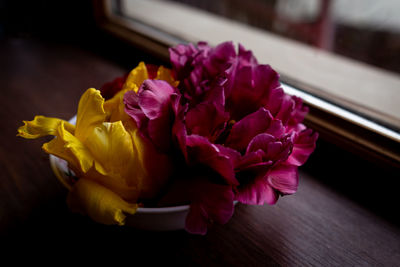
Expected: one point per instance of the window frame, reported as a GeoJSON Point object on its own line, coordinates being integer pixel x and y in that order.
{"type": "Point", "coordinates": [328, 114]}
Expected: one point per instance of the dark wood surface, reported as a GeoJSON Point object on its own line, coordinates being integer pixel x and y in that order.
{"type": "Point", "coordinates": [317, 226]}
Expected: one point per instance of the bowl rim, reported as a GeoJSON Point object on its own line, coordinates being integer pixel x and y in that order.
{"type": "Point", "coordinates": [164, 209]}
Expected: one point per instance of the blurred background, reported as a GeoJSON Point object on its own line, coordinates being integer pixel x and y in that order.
{"type": "Point", "coordinates": [64, 22]}
{"type": "Point", "coordinates": [365, 30]}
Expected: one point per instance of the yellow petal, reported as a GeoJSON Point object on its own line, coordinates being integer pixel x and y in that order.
{"type": "Point", "coordinates": [42, 126]}
{"type": "Point", "coordinates": [111, 144]}
{"type": "Point", "coordinates": [100, 203]}
{"type": "Point", "coordinates": [70, 148]}
{"type": "Point", "coordinates": [136, 77]}
{"type": "Point", "coordinates": [90, 113]}
{"type": "Point", "coordinates": [165, 74]}
{"type": "Point", "coordinates": [115, 107]}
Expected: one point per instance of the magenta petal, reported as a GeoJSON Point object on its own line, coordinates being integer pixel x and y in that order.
{"type": "Point", "coordinates": [260, 141]}
{"type": "Point", "coordinates": [159, 131]}
{"type": "Point", "coordinates": [157, 100]}
{"type": "Point", "coordinates": [286, 109]}
{"type": "Point", "coordinates": [251, 88]}
{"type": "Point", "coordinates": [131, 101]}
{"type": "Point", "coordinates": [181, 57]}
{"type": "Point", "coordinates": [247, 128]}
{"type": "Point", "coordinates": [246, 57]}
{"type": "Point", "coordinates": [216, 95]}
{"type": "Point", "coordinates": [254, 161]}
{"type": "Point", "coordinates": [300, 111]}
{"type": "Point", "coordinates": [211, 202]}
{"type": "Point", "coordinates": [179, 130]}
{"type": "Point", "coordinates": [274, 101]}
{"type": "Point", "coordinates": [275, 149]}
{"type": "Point", "coordinates": [276, 128]}
{"type": "Point", "coordinates": [304, 145]}
{"type": "Point", "coordinates": [200, 150]}
{"type": "Point", "coordinates": [279, 150]}
{"type": "Point", "coordinates": [155, 97]}
{"type": "Point", "coordinates": [206, 119]}
{"type": "Point", "coordinates": [219, 58]}
{"type": "Point", "coordinates": [257, 192]}
{"type": "Point", "coordinates": [233, 155]}
{"type": "Point", "coordinates": [284, 178]}
{"type": "Point", "coordinates": [196, 220]}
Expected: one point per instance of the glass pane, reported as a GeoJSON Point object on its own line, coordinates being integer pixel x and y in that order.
{"type": "Point", "coordinates": [345, 52]}
{"type": "Point", "coordinates": [365, 30]}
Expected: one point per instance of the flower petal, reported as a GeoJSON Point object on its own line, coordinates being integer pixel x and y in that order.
{"type": "Point", "coordinates": [256, 191]}
{"type": "Point", "coordinates": [132, 108]}
{"type": "Point", "coordinates": [275, 101]}
{"type": "Point", "coordinates": [299, 113]}
{"type": "Point", "coordinates": [260, 141]}
{"type": "Point", "coordinates": [136, 77]}
{"type": "Point", "coordinates": [218, 59]}
{"type": "Point", "coordinates": [210, 202]}
{"type": "Point", "coordinates": [57, 148]}
{"type": "Point", "coordinates": [90, 113]}
{"type": "Point", "coordinates": [42, 126]}
{"type": "Point", "coordinates": [284, 178]}
{"type": "Point", "coordinates": [206, 119]}
{"type": "Point", "coordinates": [286, 109]}
{"type": "Point", "coordinates": [247, 128]}
{"type": "Point", "coordinates": [156, 101]}
{"type": "Point", "coordinates": [115, 107]}
{"type": "Point", "coordinates": [108, 90]}
{"type": "Point", "coordinates": [304, 145]}
{"type": "Point", "coordinates": [99, 203]}
{"type": "Point", "coordinates": [166, 75]}
{"type": "Point", "coordinates": [200, 150]}
{"type": "Point", "coordinates": [251, 88]}
{"type": "Point", "coordinates": [70, 148]}
{"type": "Point", "coordinates": [181, 57]}
{"type": "Point", "coordinates": [155, 97]}
{"type": "Point", "coordinates": [147, 157]}
{"type": "Point", "coordinates": [111, 145]}
{"type": "Point", "coordinates": [253, 161]}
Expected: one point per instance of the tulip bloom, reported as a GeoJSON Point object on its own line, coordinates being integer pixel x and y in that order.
{"type": "Point", "coordinates": [107, 153]}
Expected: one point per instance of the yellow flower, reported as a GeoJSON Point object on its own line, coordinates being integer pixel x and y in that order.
{"type": "Point", "coordinates": [105, 150]}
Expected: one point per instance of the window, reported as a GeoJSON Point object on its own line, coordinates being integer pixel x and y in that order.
{"type": "Point", "coordinates": [351, 101]}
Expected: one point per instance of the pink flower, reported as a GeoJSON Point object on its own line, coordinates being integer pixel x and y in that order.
{"type": "Point", "coordinates": [231, 123]}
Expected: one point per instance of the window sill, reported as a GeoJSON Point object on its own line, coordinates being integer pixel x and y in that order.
{"type": "Point", "coordinates": [351, 87]}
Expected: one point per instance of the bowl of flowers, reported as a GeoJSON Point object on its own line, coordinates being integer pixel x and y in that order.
{"type": "Point", "coordinates": [171, 148]}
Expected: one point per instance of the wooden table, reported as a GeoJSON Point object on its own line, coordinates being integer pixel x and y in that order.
{"type": "Point", "coordinates": [319, 225]}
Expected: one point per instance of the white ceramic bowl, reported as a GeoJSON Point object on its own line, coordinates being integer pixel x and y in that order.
{"type": "Point", "coordinates": [155, 219]}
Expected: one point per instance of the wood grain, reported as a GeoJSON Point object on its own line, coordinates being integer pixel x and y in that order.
{"type": "Point", "coordinates": [318, 226]}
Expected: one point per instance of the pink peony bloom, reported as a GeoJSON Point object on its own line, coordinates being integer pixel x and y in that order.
{"type": "Point", "coordinates": [230, 117]}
